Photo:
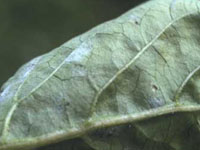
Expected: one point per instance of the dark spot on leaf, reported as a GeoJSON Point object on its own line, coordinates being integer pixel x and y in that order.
{"type": "Point", "coordinates": [136, 22]}
{"type": "Point", "coordinates": [154, 88]}
{"type": "Point", "coordinates": [67, 104]}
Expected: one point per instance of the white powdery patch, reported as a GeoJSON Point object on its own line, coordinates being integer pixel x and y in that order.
{"type": "Point", "coordinates": [31, 66]}
{"type": "Point", "coordinates": [172, 8]}
{"type": "Point", "coordinates": [134, 18]}
{"type": "Point", "coordinates": [79, 72]}
{"type": "Point", "coordinates": [79, 54]}
{"type": "Point", "coordinates": [7, 92]}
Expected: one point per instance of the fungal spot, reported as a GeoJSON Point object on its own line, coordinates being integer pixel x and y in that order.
{"type": "Point", "coordinates": [154, 88]}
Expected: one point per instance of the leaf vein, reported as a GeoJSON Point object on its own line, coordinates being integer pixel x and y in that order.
{"type": "Point", "coordinates": [132, 61]}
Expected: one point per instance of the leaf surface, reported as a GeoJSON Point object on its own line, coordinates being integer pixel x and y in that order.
{"type": "Point", "coordinates": [140, 68]}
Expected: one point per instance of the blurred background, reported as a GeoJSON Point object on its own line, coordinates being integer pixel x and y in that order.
{"type": "Point", "coordinates": [29, 28]}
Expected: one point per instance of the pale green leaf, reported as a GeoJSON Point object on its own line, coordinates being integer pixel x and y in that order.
{"type": "Point", "coordinates": [141, 68]}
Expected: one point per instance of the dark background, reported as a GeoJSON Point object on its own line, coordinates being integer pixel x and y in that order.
{"type": "Point", "coordinates": [29, 28]}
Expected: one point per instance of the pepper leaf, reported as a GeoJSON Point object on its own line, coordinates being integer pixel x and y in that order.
{"type": "Point", "coordinates": [141, 68]}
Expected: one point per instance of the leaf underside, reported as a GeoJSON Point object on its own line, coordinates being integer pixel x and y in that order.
{"type": "Point", "coordinates": [128, 84]}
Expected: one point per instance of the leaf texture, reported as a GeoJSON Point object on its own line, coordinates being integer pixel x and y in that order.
{"type": "Point", "coordinates": [138, 74]}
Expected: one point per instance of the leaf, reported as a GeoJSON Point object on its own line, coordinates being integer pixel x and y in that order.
{"type": "Point", "coordinates": [75, 144]}
{"type": "Point", "coordinates": [140, 69]}
{"type": "Point", "coordinates": [124, 137]}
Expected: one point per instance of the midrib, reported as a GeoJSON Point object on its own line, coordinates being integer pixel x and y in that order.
{"type": "Point", "coordinates": [95, 124]}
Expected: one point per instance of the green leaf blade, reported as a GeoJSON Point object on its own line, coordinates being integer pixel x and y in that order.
{"type": "Point", "coordinates": [127, 70]}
